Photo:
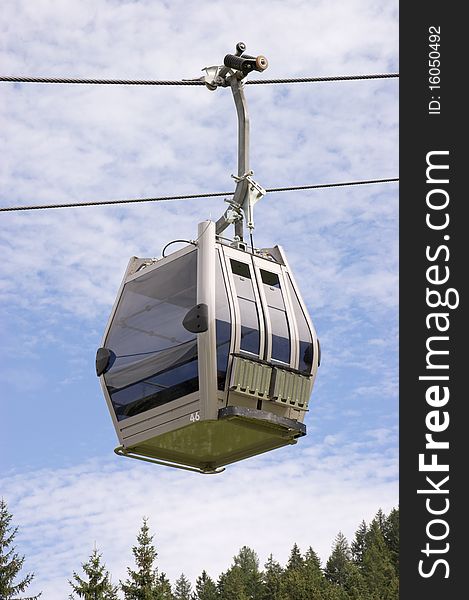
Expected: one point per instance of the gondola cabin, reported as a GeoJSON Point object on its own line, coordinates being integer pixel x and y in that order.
{"type": "Point", "coordinates": [209, 356]}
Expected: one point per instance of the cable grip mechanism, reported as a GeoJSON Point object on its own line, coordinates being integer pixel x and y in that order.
{"type": "Point", "coordinates": [233, 213]}
{"type": "Point", "coordinates": [213, 78]}
{"type": "Point", "coordinates": [234, 65]}
{"type": "Point", "coordinates": [254, 193]}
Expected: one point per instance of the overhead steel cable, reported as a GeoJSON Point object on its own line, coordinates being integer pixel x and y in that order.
{"type": "Point", "coordinates": [331, 185]}
{"type": "Point", "coordinates": [191, 196]}
{"type": "Point", "coordinates": [101, 81]}
{"type": "Point", "coordinates": [322, 79]}
{"type": "Point", "coordinates": [192, 81]}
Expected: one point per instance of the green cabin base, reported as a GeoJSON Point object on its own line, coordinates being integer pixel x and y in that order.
{"type": "Point", "coordinates": [207, 446]}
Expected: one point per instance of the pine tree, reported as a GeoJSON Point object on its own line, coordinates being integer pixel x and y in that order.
{"type": "Point", "coordinates": [380, 518]}
{"type": "Point", "coordinates": [314, 577]}
{"type": "Point", "coordinates": [164, 588]}
{"type": "Point", "coordinates": [248, 563]}
{"type": "Point", "coordinates": [306, 581]}
{"type": "Point", "coordinates": [296, 560]}
{"type": "Point", "coordinates": [205, 588]}
{"type": "Point", "coordinates": [377, 567]}
{"type": "Point", "coordinates": [343, 573]}
{"type": "Point", "coordinates": [391, 537]}
{"type": "Point", "coordinates": [316, 585]}
{"type": "Point", "coordinates": [143, 583]}
{"type": "Point", "coordinates": [231, 585]}
{"type": "Point", "coordinates": [358, 544]}
{"type": "Point", "coordinates": [271, 579]}
{"type": "Point", "coordinates": [183, 588]}
{"type": "Point", "coordinates": [312, 560]}
{"type": "Point", "coordinates": [10, 562]}
{"type": "Point", "coordinates": [336, 570]}
{"type": "Point", "coordinates": [293, 585]}
{"type": "Point", "coordinates": [97, 585]}
{"type": "Point", "coordinates": [243, 580]}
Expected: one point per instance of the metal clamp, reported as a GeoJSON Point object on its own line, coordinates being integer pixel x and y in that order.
{"type": "Point", "coordinates": [233, 213]}
{"type": "Point", "coordinates": [254, 193]}
{"type": "Point", "coordinates": [214, 77]}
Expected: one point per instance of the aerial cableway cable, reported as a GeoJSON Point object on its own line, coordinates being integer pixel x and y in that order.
{"type": "Point", "coordinates": [191, 196]}
{"type": "Point", "coordinates": [191, 82]}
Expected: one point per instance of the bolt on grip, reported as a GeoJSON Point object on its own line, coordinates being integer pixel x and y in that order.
{"type": "Point", "coordinates": [246, 64]}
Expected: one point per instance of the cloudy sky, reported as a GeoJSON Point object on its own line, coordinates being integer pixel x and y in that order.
{"type": "Point", "coordinates": [60, 269]}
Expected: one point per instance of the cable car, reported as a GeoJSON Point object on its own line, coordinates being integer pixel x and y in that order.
{"type": "Point", "coordinates": [209, 356]}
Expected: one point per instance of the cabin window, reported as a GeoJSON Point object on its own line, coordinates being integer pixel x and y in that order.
{"type": "Point", "coordinates": [250, 339]}
{"type": "Point", "coordinates": [223, 324]}
{"type": "Point", "coordinates": [156, 357]}
{"type": "Point", "coordinates": [305, 361]}
{"type": "Point", "coordinates": [281, 346]}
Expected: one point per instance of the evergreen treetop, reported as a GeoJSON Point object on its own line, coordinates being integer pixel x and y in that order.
{"type": "Point", "coordinates": [358, 544]}
{"type": "Point", "coordinates": [243, 580]}
{"type": "Point", "coordinates": [97, 585]}
{"type": "Point", "coordinates": [336, 569]}
{"type": "Point", "coordinates": [164, 588]}
{"type": "Point", "coordinates": [271, 579]}
{"type": "Point", "coordinates": [296, 560]}
{"type": "Point", "coordinates": [143, 583]}
{"type": "Point", "coordinates": [377, 566]}
{"type": "Point", "coordinates": [231, 585]}
{"type": "Point", "coordinates": [391, 537]}
{"type": "Point", "coordinates": [311, 559]}
{"type": "Point", "coordinates": [182, 589]}
{"type": "Point", "coordinates": [205, 588]}
{"type": "Point", "coordinates": [11, 562]}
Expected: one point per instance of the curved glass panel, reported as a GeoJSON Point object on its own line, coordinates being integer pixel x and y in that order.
{"type": "Point", "coordinates": [156, 357]}
{"type": "Point", "coordinates": [223, 324]}
{"type": "Point", "coordinates": [278, 317]}
{"type": "Point", "coordinates": [250, 338]}
{"type": "Point", "coordinates": [281, 337]}
{"type": "Point", "coordinates": [305, 362]}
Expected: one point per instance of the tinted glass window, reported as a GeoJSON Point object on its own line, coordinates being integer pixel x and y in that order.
{"type": "Point", "coordinates": [278, 317]}
{"type": "Point", "coordinates": [223, 325]}
{"type": "Point", "coordinates": [156, 357]}
{"type": "Point", "coordinates": [250, 338]}
{"type": "Point", "coordinates": [280, 335]}
{"type": "Point", "coordinates": [305, 362]}
{"type": "Point", "coordinates": [240, 268]}
{"type": "Point", "coordinates": [270, 279]}
{"type": "Point", "coordinates": [249, 326]}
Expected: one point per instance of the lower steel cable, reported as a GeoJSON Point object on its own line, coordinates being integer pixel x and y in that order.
{"type": "Point", "coordinates": [192, 196]}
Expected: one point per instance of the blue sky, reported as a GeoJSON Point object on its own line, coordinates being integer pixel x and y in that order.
{"type": "Point", "coordinates": [60, 269]}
